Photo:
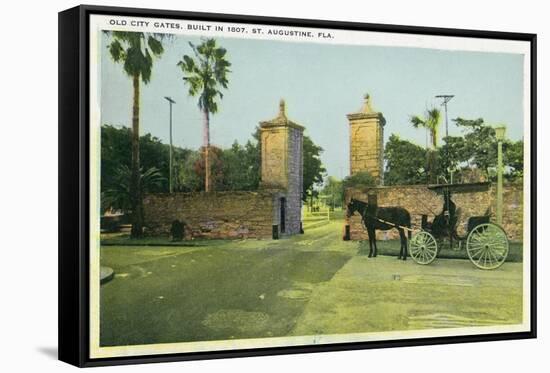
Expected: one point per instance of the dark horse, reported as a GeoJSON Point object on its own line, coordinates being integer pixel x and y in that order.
{"type": "Point", "coordinates": [382, 218]}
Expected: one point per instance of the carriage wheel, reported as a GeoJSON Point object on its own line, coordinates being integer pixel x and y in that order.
{"type": "Point", "coordinates": [423, 248]}
{"type": "Point", "coordinates": [487, 246]}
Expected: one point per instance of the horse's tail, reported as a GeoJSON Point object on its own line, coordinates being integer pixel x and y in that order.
{"type": "Point", "coordinates": [409, 233]}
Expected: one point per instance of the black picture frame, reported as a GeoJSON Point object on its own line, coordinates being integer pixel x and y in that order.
{"type": "Point", "coordinates": [74, 179]}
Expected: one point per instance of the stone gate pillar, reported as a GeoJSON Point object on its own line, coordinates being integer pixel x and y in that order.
{"type": "Point", "coordinates": [367, 141]}
{"type": "Point", "coordinates": [282, 168]}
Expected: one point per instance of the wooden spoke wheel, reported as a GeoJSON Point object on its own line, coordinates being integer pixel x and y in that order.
{"type": "Point", "coordinates": [487, 246]}
{"type": "Point", "coordinates": [423, 248]}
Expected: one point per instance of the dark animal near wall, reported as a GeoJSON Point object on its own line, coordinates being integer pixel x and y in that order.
{"type": "Point", "coordinates": [382, 218]}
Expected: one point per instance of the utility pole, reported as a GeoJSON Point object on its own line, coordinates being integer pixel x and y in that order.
{"type": "Point", "coordinates": [170, 102]}
{"type": "Point", "coordinates": [446, 99]}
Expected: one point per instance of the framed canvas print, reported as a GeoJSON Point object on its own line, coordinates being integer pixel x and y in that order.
{"type": "Point", "coordinates": [236, 186]}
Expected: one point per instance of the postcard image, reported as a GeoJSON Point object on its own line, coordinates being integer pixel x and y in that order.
{"type": "Point", "coordinates": [255, 185]}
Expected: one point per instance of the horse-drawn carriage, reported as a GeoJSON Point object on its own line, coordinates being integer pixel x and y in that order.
{"type": "Point", "coordinates": [486, 243]}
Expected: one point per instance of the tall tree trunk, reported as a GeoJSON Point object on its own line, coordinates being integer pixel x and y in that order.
{"type": "Point", "coordinates": [135, 182]}
{"type": "Point", "coordinates": [206, 142]}
{"type": "Point", "coordinates": [431, 158]}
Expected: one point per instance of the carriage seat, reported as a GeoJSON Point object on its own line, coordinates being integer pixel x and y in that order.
{"type": "Point", "coordinates": [474, 221]}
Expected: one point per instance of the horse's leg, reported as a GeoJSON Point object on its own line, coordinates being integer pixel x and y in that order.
{"type": "Point", "coordinates": [405, 245]}
{"type": "Point", "coordinates": [374, 239]}
{"type": "Point", "coordinates": [401, 244]}
{"type": "Point", "coordinates": [407, 237]}
{"type": "Point", "coordinates": [371, 240]}
{"type": "Point", "coordinates": [403, 252]}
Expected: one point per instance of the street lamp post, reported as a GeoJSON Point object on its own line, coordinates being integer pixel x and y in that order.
{"type": "Point", "coordinates": [170, 102]}
{"type": "Point", "coordinates": [499, 134]}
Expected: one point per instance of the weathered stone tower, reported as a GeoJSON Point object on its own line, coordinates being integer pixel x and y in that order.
{"type": "Point", "coordinates": [367, 141]}
{"type": "Point", "coordinates": [282, 170]}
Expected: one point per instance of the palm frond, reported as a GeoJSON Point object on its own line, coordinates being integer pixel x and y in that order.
{"type": "Point", "coordinates": [132, 49]}
{"type": "Point", "coordinates": [417, 121]}
{"type": "Point", "coordinates": [433, 118]}
{"type": "Point", "coordinates": [155, 45]}
{"type": "Point", "coordinates": [116, 50]}
{"type": "Point", "coordinates": [205, 72]}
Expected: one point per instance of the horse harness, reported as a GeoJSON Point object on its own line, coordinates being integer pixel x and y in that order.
{"type": "Point", "coordinates": [389, 223]}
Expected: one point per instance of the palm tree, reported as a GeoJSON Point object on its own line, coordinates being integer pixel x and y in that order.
{"type": "Point", "coordinates": [119, 197]}
{"type": "Point", "coordinates": [135, 51]}
{"type": "Point", "coordinates": [205, 73]}
{"type": "Point", "coordinates": [431, 123]}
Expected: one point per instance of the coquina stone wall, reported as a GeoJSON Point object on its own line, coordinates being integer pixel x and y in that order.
{"type": "Point", "coordinates": [214, 214]}
{"type": "Point", "coordinates": [419, 200]}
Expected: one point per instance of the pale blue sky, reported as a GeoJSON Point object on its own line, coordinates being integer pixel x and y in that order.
{"type": "Point", "coordinates": [321, 83]}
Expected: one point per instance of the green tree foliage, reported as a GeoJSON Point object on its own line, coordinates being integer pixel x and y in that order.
{"type": "Point", "coordinates": [116, 152]}
{"type": "Point", "coordinates": [234, 168]}
{"type": "Point", "coordinates": [135, 51]}
{"type": "Point", "coordinates": [241, 167]}
{"type": "Point", "coordinates": [360, 179]}
{"type": "Point", "coordinates": [215, 162]}
{"type": "Point", "coordinates": [405, 162]}
{"type": "Point", "coordinates": [480, 144]}
{"type": "Point", "coordinates": [334, 188]}
{"type": "Point", "coordinates": [187, 179]}
{"type": "Point", "coordinates": [475, 150]}
{"type": "Point", "coordinates": [313, 170]}
{"type": "Point", "coordinates": [118, 195]}
{"type": "Point", "coordinates": [478, 149]}
{"type": "Point", "coordinates": [513, 158]}
{"type": "Point", "coordinates": [452, 154]}
{"type": "Point", "coordinates": [205, 73]}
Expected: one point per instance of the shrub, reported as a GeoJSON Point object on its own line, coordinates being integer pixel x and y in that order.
{"type": "Point", "coordinates": [360, 179]}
